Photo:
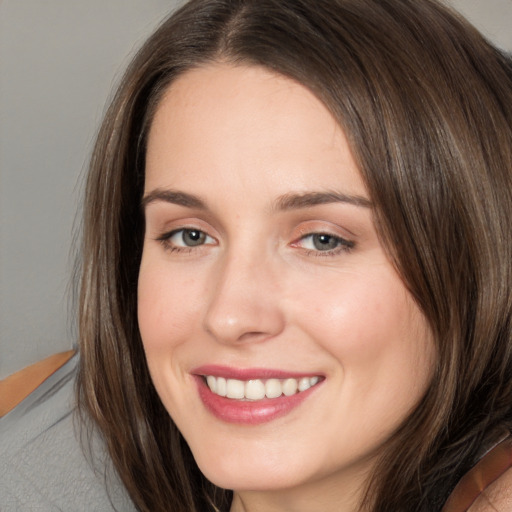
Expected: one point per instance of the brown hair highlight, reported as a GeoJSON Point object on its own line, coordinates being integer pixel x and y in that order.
{"type": "Point", "coordinates": [426, 104]}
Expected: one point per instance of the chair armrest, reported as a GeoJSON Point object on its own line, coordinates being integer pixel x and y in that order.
{"type": "Point", "coordinates": [16, 387]}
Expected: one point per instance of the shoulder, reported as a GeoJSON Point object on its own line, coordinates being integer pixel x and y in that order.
{"type": "Point", "coordinates": [44, 464]}
{"type": "Point", "coordinates": [487, 487]}
{"type": "Point", "coordinates": [497, 497]}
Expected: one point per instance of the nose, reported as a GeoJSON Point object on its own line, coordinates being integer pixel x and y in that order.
{"type": "Point", "coordinates": [245, 301]}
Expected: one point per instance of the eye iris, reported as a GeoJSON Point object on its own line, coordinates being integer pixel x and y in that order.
{"type": "Point", "coordinates": [324, 242]}
{"type": "Point", "coordinates": [193, 237]}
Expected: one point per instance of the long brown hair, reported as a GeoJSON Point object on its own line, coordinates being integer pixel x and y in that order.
{"type": "Point", "coordinates": [426, 104]}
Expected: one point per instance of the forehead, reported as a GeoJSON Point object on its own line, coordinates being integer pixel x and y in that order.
{"type": "Point", "coordinates": [245, 123]}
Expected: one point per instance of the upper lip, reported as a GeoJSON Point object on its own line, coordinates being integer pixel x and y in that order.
{"type": "Point", "coordinates": [229, 372]}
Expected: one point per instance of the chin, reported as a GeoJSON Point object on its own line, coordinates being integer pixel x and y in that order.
{"type": "Point", "coordinates": [252, 481]}
{"type": "Point", "coordinates": [242, 472]}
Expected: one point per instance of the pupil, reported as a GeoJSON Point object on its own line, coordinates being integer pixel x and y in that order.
{"type": "Point", "coordinates": [324, 242]}
{"type": "Point", "coordinates": [193, 237]}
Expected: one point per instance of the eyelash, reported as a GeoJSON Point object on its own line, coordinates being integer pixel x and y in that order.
{"type": "Point", "coordinates": [165, 240]}
{"type": "Point", "coordinates": [343, 245]}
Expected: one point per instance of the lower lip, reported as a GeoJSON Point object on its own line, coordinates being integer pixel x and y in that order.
{"type": "Point", "coordinates": [249, 412]}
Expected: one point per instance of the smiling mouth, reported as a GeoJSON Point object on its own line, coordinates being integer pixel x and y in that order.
{"type": "Point", "coordinates": [259, 389]}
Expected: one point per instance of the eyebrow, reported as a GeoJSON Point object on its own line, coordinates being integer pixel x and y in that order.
{"type": "Point", "coordinates": [174, 197]}
{"type": "Point", "coordinates": [308, 199]}
{"type": "Point", "coordinates": [285, 202]}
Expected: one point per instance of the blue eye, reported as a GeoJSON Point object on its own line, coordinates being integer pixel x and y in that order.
{"type": "Point", "coordinates": [186, 238]}
{"type": "Point", "coordinates": [324, 242]}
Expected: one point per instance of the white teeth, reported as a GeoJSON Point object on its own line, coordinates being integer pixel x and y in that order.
{"type": "Point", "coordinates": [254, 390]}
{"type": "Point", "coordinates": [221, 386]}
{"type": "Point", "coordinates": [235, 388]}
{"type": "Point", "coordinates": [273, 388]}
{"type": "Point", "coordinates": [212, 383]}
{"type": "Point", "coordinates": [257, 389]}
{"type": "Point", "coordinates": [290, 387]}
{"type": "Point", "coordinates": [304, 384]}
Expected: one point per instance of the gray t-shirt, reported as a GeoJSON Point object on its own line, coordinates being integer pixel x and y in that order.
{"type": "Point", "coordinates": [43, 464]}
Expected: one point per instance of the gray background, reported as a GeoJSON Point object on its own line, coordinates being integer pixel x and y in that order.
{"type": "Point", "coordinates": [59, 61]}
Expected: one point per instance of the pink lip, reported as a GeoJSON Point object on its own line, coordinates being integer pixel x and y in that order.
{"type": "Point", "coordinates": [242, 411]}
{"type": "Point", "coordinates": [247, 373]}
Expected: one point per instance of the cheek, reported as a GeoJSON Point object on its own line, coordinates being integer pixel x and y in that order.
{"type": "Point", "coordinates": [355, 313]}
{"type": "Point", "coordinates": [168, 306]}
{"type": "Point", "coordinates": [168, 316]}
{"type": "Point", "coordinates": [377, 336]}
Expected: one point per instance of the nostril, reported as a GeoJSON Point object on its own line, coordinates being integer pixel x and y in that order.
{"type": "Point", "coordinates": [244, 305]}
{"type": "Point", "coordinates": [253, 336]}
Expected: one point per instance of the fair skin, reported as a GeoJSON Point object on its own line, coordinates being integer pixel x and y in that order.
{"type": "Point", "coordinates": [261, 260]}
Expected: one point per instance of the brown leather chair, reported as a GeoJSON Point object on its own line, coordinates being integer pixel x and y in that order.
{"type": "Point", "coordinates": [18, 386]}
{"type": "Point", "coordinates": [488, 486]}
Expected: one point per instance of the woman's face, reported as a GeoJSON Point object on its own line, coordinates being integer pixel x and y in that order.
{"type": "Point", "coordinates": [263, 277]}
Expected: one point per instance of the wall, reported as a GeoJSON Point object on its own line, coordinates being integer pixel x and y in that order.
{"type": "Point", "coordinates": [59, 61]}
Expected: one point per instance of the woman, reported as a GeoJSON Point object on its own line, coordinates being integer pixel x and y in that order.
{"type": "Point", "coordinates": [303, 206]}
